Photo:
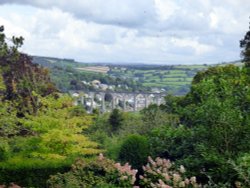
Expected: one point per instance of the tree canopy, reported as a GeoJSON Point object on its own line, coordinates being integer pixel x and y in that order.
{"type": "Point", "coordinates": [245, 45]}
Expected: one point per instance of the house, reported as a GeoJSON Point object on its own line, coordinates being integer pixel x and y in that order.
{"type": "Point", "coordinates": [75, 95]}
{"type": "Point", "coordinates": [95, 82]}
{"type": "Point", "coordinates": [104, 87]}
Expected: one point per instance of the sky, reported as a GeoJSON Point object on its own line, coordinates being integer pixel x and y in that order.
{"type": "Point", "coordinates": [129, 31]}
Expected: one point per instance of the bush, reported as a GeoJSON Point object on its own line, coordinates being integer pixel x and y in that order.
{"type": "Point", "coordinates": [99, 173]}
{"type": "Point", "coordinates": [134, 150]}
{"type": "Point", "coordinates": [163, 173]}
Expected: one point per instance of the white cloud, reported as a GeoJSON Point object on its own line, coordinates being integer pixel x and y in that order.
{"type": "Point", "coordinates": [165, 8]}
{"type": "Point", "coordinates": [213, 20]}
{"type": "Point", "coordinates": [121, 31]}
{"type": "Point", "coordinates": [193, 43]}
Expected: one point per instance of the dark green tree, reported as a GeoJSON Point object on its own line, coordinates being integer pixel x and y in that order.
{"type": "Point", "coordinates": [108, 97]}
{"type": "Point", "coordinates": [115, 120]}
{"type": "Point", "coordinates": [245, 45]}
{"type": "Point", "coordinates": [134, 150]}
{"type": "Point", "coordinates": [155, 116]}
{"type": "Point", "coordinates": [217, 111]}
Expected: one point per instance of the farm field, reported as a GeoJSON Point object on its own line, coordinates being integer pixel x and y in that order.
{"type": "Point", "coordinates": [98, 69]}
{"type": "Point", "coordinates": [170, 79]}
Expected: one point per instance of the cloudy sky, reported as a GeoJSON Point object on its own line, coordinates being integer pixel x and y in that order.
{"type": "Point", "coordinates": [147, 31]}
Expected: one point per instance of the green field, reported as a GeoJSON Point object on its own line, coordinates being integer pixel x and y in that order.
{"type": "Point", "coordinates": [174, 79]}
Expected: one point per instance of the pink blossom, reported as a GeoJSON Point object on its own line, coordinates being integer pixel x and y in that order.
{"type": "Point", "coordinates": [193, 180]}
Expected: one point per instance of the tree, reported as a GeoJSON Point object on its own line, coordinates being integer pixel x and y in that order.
{"type": "Point", "coordinates": [153, 117]}
{"type": "Point", "coordinates": [108, 97]}
{"type": "Point", "coordinates": [217, 109]}
{"type": "Point", "coordinates": [40, 129]}
{"type": "Point", "coordinates": [115, 120]}
{"type": "Point", "coordinates": [134, 150]}
{"type": "Point", "coordinates": [22, 79]}
{"type": "Point", "coordinates": [245, 44]}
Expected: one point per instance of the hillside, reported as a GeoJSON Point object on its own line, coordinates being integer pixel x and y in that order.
{"type": "Point", "coordinates": [68, 74]}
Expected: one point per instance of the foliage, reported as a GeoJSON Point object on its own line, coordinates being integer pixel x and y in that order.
{"type": "Point", "coordinates": [59, 126]}
{"type": "Point", "coordinates": [216, 113]}
{"type": "Point", "coordinates": [22, 79]}
{"type": "Point", "coordinates": [242, 166]}
{"type": "Point", "coordinates": [171, 104]}
{"type": "Point", "coordinates": [171, 142]}
{"type": "Point", "coordinates": [4, 150]}
{"type": "Point", "coordinates": [112, 146]}
{"type": "Point", "coordinates": [154, 116]}
{"type": "Point", "coordinates": [55, 139]}
{"type": "Point", "coordinates": [101, 172]}
{"type": "Point", "coordinates": [132, 124]}
{"type": "Point", "coordinates": [245, 45]}
{"type": "Point", "coordinates": [115, 120]}
{"type": "Point", "coordinates": [9, 123]}
{"type": "Point", "coordinates": [41, 131]}
{"type": "Point", "coordinates": [2, 85]}
{"type": "Point", "coordinates": [134, 150]}
{"type": "Point", "coordinates": [162, 173]}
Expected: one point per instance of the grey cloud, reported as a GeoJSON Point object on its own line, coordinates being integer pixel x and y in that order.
{"type": "Point", "coordinates": [127, 13]}
{"type": "Point", "coordinates": [190, 20]}
{"type": "Point", "coordinates": [141, 14]}
{"type": "Point", "coordinates": [107, 37]}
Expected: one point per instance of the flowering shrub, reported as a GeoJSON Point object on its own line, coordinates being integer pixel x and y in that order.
{"type": "Point", "coordinates": [101, 173]}
{"type": "Point", "coordinates": [127, 174]}
{"type": "Point", "coordinates": [162, 174]}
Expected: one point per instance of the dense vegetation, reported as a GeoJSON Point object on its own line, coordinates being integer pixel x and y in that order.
{"type": "Point", "coordinates": [40, 129]}
{"type": "Point", "coordinates": [201, 139]}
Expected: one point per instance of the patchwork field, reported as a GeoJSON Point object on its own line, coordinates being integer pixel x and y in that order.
{"type": "Point", "coordinates": [98, 69]}
{"type": "Point", "coordinates": [174, 79]}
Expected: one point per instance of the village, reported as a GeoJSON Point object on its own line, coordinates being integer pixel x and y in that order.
{"type": "Point", "coordinates": [105, 98]}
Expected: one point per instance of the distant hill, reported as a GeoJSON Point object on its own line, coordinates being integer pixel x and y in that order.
{"type": "Point", "coordinates": [68, 74]}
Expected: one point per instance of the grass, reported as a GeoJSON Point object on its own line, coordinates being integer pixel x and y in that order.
{"type": "Point", "coordinates": [173, 78]}
{"type": "Point", "coordinates": [191, 66]}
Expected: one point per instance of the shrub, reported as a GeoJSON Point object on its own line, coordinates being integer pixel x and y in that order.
{"type": "Point", "coordinates": [101, 173]}
{"type": "Point", "coordinates": [134, 150]}
{"type": "Point", "coordinates": [162, 173]}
